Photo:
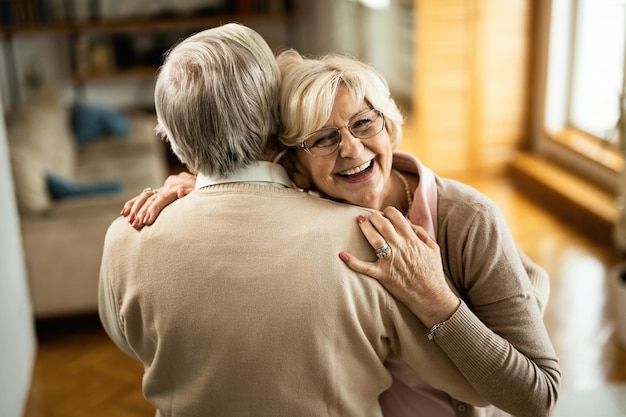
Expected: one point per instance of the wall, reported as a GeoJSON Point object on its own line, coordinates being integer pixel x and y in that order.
{"type": "Point", "coordinates": [381, 37]}
{"type": "Point", "coordinates": [471, 83]}
{"type": "Point", "coordinates": [17, 336]}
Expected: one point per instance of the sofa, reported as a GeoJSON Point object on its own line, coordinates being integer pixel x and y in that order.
{"type": "Point", "coordinates": [74, 164]}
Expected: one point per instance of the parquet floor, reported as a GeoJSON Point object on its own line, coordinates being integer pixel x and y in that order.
{"type": "Point", "coordinates": [79, 372]}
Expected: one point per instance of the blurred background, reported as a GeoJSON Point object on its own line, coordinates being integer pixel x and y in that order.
{"type": "Point", "coordinates": [524, 99]}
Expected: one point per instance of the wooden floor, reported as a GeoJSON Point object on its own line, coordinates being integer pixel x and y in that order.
{"type": "Point", "coordinates": [80, 373]}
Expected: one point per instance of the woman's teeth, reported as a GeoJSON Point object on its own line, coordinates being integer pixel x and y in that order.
{"type": "Point", "coordinates": [356, 170]}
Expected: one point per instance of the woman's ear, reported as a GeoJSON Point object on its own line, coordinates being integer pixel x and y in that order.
{"type": "Point", "coordinates": [296, 171]}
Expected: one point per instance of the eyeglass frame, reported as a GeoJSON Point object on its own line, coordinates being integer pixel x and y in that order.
{"type": "Point", "coordinates": [304, 147]}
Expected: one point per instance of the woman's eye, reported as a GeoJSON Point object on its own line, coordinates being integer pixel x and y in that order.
{"type": "Point", "coordinates": [326, 140]}
{"type": "Point", "coordinates": [361, 124]}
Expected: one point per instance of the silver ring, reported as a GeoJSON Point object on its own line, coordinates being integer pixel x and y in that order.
{"type": "Point", "coordinates": [149, 190]}
{"type": "Point", "coordinates": [384, 251]}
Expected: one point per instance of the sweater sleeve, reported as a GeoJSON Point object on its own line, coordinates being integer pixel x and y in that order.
{"type": "Point", "coordinates": [500, 314]}
{"type": "Point", "coordinates": [539, 279]}
{"type": "Point", "coordinates": [108, 302]}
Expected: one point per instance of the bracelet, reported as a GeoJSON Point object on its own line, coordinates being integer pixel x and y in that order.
{"type": "Point", "coordinates": [431, 332]}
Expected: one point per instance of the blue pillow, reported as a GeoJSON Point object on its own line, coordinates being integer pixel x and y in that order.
{"type": "Point", "coordinates": [62, 187]}
{"type": "Point", "coordinates": [90, 121]}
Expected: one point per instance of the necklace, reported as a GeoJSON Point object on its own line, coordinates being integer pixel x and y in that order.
{"type": "Point", "coordinates": [407, 190]}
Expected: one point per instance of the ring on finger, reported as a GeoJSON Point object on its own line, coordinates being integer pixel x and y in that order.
{"type": "Point", "coordinates": [149, 190]}
{"type": "Point", "coordinates": [383, 251]}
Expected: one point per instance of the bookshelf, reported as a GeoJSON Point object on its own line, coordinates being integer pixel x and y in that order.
{"type": "Point", "coordinates": [127, 48]}
{"type": "Point", "coordinates": [138, 24]}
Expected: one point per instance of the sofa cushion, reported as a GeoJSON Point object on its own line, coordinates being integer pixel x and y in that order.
{"type": "Point", "coordinates": [91, 121]}
{"type": "Point", "coordinates": [40, 141]}
{"type": "Point", "coordinates": [63, 187]}
{"type": "Point", "coordinates": [140, 140]}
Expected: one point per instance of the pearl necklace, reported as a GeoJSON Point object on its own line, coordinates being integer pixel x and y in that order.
{"type": "Point", "coordinates": [407, 191]}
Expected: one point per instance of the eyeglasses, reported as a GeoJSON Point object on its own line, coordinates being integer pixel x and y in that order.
{"type": "Point", "coordinates": [363, 125]}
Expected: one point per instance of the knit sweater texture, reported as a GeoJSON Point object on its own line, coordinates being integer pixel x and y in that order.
{"type": "Point", "coordinates": [237, 304]}
{"type": "Point", "coordinates": [497, 337]}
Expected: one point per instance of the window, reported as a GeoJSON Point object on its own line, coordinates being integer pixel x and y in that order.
{"type": "Point", "coordinates": [598, 66]}
{"type": "Point", "coordinates": [586, 61]}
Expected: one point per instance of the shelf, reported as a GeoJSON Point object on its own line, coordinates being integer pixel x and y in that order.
{"type": "Point", "coordinates": [158, 24]}
{"type": "Point", "coordinates": [117, 74]}
{"type": "Point", "coordinates": [131, 49]}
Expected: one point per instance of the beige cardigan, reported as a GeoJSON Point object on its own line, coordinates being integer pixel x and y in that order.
{"type": "Point", "coordinates": [497, 337]}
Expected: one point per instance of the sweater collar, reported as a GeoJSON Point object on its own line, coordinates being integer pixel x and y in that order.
{"type": "Point", "coordinates": [261, 172]}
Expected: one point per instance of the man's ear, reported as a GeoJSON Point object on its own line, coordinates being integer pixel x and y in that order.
{"type": "Point", "coordinates": [295, 170]}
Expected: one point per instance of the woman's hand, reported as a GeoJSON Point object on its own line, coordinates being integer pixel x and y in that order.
{"type": "Point", "coordinates": [412, 271]}
{"type": "Point", "coordinates": [143, 209]}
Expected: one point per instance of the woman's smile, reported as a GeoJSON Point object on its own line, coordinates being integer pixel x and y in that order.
{"type": "Point", "coordinates": [359, 173]}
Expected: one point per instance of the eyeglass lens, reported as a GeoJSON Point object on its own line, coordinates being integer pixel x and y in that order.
{"type": "Point", "coordinates": [363, 125]}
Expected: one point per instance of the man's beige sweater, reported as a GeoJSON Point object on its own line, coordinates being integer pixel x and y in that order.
{"type": "Point", "coordinates": [237, 304]}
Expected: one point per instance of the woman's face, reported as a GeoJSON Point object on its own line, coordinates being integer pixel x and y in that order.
{"type": "Point", "coordinates": [357, 172]}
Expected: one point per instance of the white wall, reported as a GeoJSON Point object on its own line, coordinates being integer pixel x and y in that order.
{"type": "Point", "coordinates": [17, 336]}
{"type": "Point", "coordinates": [381, 37]}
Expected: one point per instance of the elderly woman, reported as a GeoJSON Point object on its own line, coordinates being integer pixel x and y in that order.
{"type": "Point", "coordinates": [444, 249]}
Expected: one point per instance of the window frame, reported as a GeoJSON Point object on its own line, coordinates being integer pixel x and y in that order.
{"type": "Point", "coordinates": [589, 156]}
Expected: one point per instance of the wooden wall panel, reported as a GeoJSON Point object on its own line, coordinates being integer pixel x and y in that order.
{"type": "Point", "coordinates": [441, 82]}
{"type": "Point", "coordinates": [470, 83]}
{"type": "Point", "coordinates": [502, 47]}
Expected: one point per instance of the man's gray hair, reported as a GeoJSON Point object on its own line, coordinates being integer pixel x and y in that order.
{"type": "Point", "coordinates": [216, 99]}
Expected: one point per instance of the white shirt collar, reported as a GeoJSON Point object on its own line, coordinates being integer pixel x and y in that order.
{"type": "Point", "coordinates": [262, 172]}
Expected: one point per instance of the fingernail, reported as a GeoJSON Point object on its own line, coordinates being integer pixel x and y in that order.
{"type": "Point", "coordinates": [146, 219]}
{"type": "Point", "coordinates": [344, 256]}
{"type": "Point", "coordinates": [360, 219]}
{"type": "Point", "coordinates": [131, 219]}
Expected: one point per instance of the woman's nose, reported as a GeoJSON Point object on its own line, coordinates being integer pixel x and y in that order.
{"type": "Point", "coordinates": [350, 147]}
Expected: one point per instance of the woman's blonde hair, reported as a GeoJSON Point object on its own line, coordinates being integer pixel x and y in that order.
{"type": "Point", "coordinates": [309, 87]}
{"type": "Point", "coordinates": [216, 98]}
